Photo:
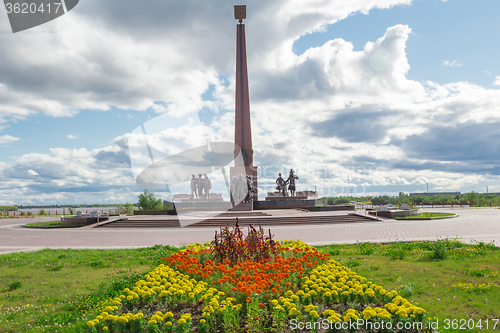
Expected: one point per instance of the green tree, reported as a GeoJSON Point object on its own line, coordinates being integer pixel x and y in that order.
{"type": "Point", "coordinates": [148, 201]}
{"type": "Point", "coordinates": [129, 208]}
{"type": "Point", "coordinates": [472, 198]}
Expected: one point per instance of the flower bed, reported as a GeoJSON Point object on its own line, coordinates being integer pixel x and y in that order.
{"type": "Point", "coordinates": [293, 287]}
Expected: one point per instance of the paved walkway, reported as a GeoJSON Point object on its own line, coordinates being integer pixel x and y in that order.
{"type": "Point", "coordinates": [472, 224]}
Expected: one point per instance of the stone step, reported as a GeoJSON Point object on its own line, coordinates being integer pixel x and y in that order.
{"type": "Point", "coordinates": [244, 222]}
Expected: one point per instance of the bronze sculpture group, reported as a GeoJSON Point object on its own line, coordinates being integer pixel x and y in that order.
{"type": "Point", "coordinates": [281, 184]}
{"type": "Point", "coordinates": [200, 187]}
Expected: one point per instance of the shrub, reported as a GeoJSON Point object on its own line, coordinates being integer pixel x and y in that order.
{"type": "Point", "coordinates": [407, 290]}
{"type": "Point", "coordinates": [439, 250]}
{"type": "Point", "coordinates": [480, 272]}
{"type": "Point", "coordinates": [396, 253]}
{"type": "Point", "coordinates": [365, 248]}
{"type": "Point", "coordinates": [233, 246]}
{"type": "Point", "coordinates": [15, 285]}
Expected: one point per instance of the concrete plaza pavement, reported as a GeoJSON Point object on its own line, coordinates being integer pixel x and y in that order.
{"type": "Point", "coordinates": [479, 224]}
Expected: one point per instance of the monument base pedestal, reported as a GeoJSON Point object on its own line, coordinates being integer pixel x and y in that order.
{"type": "Point", "coordinates": [243, 207]}
{"type": "Point", "coordinates": [301, 195]}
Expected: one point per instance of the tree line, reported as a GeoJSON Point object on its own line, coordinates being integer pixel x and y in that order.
{"type": "Point", "coordinates": [472, 198]}
{"type": "Point", "coordinates": [8, 208]}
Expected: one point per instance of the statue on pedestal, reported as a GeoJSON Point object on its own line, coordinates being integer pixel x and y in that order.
{"type": "Point", "coordinates": [291, 181]}
{"type": "Point", "coordinates": [199, 186]}
{"type": "Point", "coordinates": [194, 182]}
{"type": "Point", "coordinates": [281, 186]}
{"type": "Point", "coordinates": [208, 185]}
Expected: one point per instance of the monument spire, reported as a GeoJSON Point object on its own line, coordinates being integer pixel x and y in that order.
{"type": "Point", "coordinates": [243, 131]}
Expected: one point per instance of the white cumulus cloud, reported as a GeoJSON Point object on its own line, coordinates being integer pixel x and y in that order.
{"type": "Point", "coordinates": [453, 63]}
{"type": "Point", "coordinates": [6, 139]}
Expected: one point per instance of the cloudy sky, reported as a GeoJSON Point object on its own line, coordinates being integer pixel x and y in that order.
{"type": "Point", "coordinates": [369, 96]}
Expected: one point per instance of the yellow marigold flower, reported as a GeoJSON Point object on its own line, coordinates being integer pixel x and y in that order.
{"type": "Point", "coordinates": [90, 323]}
{"type": "Point", "coordinates": [105, 328]}
{"type": "Point", "coordinates": [152, 322]}
{"type": "Point", "coordinates": [181, 321]}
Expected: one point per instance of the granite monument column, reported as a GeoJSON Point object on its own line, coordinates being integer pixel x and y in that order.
{"type": "Point", "coordinates": [243, 132]}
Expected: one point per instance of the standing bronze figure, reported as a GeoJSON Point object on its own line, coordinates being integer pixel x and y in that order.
{"type": "Point", "coordinates": [193, 187]}
{"type": "Point", "coordinates": [281, 186]}
{"type": "Point", "coordinates": [199, 185]}
{"type": "Point", "coordinates": [291, 181]}
{"type": "Point", "coordinates": [207, 183]}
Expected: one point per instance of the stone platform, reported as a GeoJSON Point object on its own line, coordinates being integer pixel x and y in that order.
{"type": "Point", "coordinates": [288, 202]}
{"type": "Point", "coordinates": [271, 218]}
{"type": "Point", "coordinates": [214, 197]}
{"type": "Point", "coordinates": [301, 195]}
{"type": "Point", "coordinates": [396, 213]}
{"type": "Point", "coordinates": [82, 220]}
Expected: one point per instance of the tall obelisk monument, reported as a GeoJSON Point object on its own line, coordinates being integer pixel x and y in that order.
{"type": "Point", "coordinates": [242, 125]}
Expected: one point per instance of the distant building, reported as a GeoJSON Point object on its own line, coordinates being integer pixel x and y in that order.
{"type": "Point", "coordinates": [431, 194]}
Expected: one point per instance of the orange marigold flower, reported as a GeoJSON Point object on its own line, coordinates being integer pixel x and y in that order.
{"type": "Point", "coordinates": [274, 290]}
{"type": "Point", "coordinates": [261, 305]}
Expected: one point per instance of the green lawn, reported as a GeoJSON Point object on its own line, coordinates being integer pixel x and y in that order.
{"type": "Point", "coordinates": [59, 287]}
{"type": "Point", "coordinates": [58, 290]}
{"type": "Point", "coordinates": [425, 215]}
{"type": "Point", "coordinates": [49, 224]}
